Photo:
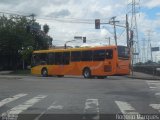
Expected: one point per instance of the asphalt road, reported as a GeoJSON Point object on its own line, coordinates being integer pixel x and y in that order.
{"type": "Point", "coordinates": [76, 98]}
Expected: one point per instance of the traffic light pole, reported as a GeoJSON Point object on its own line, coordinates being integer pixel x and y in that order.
{"type": "Point", "coordinates": [65, 45]}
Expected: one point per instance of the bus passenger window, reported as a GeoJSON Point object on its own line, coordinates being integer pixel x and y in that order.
{"type": "Point", "coordinates": [98, 55]}
{"type": "Point", "coordinates": [87, 55]}
{"type": "Point", "coordinates": [43, 58]}
{"type": "Point", "coordinates": [66, 58]}
{"type": "Point", "coordinates": [75, 56]}
{"type": "Point", "coordinates": [36, 59]}
{"type": "Point", "coordinates": [58, 58]}
{"type": "Point", "coordinates": [39, 59]}
{"type": "Point", "coordinates": [109, 54]}
{"type": "Point", "coordinates": [51, 58]}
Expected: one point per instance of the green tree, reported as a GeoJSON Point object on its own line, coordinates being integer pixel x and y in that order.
{"type": "Point", "coordinates": [46, 28]}
{"type": "Point", "coordinates": [14, 39]}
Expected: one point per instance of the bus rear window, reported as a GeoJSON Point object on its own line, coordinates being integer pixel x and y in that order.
{"type": "Point", "coordinates": [123, 52]}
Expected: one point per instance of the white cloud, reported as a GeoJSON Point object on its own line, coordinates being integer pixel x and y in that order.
{"type": "Point", "coordinates": [151, 3]}
{"type": "Point", "coordinates": [81, 9]}
{"type": "Point", "coordinates": [104, 32]}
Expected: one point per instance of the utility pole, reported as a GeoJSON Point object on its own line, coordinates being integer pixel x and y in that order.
{"type": "Point", "coordinates": [127, 32]}
{"type": "Point", "coordinates": [109, 40]}
{"type": "Point", "coordinates": [149, 44]}
{"type": "Point", "coordinates": [151, 52]}
{"type": "Point", "coordinates": [133, 9]}
{"type": "Point", "coordinates": [143, 51]}
{"type": "Point", "coordinates": [113, 22]}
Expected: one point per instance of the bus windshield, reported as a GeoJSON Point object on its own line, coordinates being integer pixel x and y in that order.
{"type": "Point", "coordinates": [123, 52]}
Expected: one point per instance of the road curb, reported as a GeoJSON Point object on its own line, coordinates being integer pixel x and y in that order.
{"type": "Point", "coordinates": [13, 77]}
{"type": "Point", "coordinates": [143, 78]}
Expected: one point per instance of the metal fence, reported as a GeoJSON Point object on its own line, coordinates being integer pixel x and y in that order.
{"type": "Point", "coordinates": [148, 69]}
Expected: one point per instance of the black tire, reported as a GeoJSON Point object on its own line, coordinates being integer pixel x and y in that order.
{"type": "Point", "coordinates": [44, 72]}
{"type": "Point", "coordinates": [87, 73]}
{"type": "Point", "coordinates": [60, 75]}
{"type": "Point", "coordinates": [101, 77]}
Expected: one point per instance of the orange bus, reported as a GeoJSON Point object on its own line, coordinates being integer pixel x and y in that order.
{"type": "Point", "coordinates": [100, 61]}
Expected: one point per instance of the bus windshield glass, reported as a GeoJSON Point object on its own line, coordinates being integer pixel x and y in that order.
{"type": "Point", "coordinates": [123, 52]}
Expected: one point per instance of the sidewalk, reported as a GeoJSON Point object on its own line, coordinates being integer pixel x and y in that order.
{"type": "Point", "coordinates": [5, 72]}
{"type": "Point", "coordinates": [139, 75]}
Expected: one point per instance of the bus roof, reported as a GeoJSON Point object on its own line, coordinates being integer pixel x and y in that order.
{"type": "Point", "coordinates": [74, 49]}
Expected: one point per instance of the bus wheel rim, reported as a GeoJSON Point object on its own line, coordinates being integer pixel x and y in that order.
{"type": "Point", "coordinates": [86, 73]}
{"type": "Point", "coordinates": [44, 72]}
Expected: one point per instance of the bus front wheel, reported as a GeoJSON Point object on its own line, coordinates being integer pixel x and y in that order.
{"type": "Point", "coordinates": [44, 72]}
{"type": "Point", "coordinates": [60, 76]}
{"type": "Point", "coordinates": [87, 73]}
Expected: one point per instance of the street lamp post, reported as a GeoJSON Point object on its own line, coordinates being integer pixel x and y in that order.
{"type": "Point", "coordinates": [65, 45]}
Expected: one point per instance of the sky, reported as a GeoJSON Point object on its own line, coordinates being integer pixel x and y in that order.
{"type": "Point", "coordinates": [69, 18]}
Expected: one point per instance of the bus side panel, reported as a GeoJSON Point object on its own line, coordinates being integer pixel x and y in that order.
{"type": "Point", "coordinates": [97, 68]}
{"type": "Point", "coordinates": [75, 68]}
{"type": "Point", "coordinates": [36, 70]}
{"type": "Point", "coordinates": [70, 69]}
{"type": "Point", "coordinates": [123, 67]}
{"type": "Point", "coordinates": [55, 70]}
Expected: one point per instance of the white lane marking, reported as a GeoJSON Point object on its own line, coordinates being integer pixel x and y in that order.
{"type": "Point", "coordinates": [52, 106]}
{"type": "Point", "coordinates": [153, 82]}
{"type": "Point", "coordinates": [92, 107]}
{"type": "Point", "coordinates": [152, 87]}
{"type": "Point", "coordinates": [155, 106]}
{"type": "Point", "coordinates": [158, 94]}
{"type": "Point", "coordinates": [13, 113]}
{"type": "Point", "coordinates": [127, 109]}
{"type": "Point", "coordinates": [15, 97]}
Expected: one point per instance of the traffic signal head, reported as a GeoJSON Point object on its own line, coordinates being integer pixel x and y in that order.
{"type": "Point", "coordinates": [84, 39]}
{"type": "Point", "coordinates": [97, 23]}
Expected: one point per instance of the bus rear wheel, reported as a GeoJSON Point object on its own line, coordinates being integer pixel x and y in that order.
{"type": "Point", "coordinates": [101, 77]}
{"type": "Point", "coordinates": [44, 72]}
{"type": "Point", "coordinates": [87, 73]}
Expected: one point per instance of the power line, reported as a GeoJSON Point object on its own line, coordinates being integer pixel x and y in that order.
{"type": "Point", "coordinates": [50, 18]}
{"type": "Point", "coordinates": [64, 20]}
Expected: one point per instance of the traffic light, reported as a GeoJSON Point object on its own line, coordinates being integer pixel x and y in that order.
{"type": "Point", "coordinates": [97, 23]}
{"type": "Point", "coordinates": [84, 39]}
